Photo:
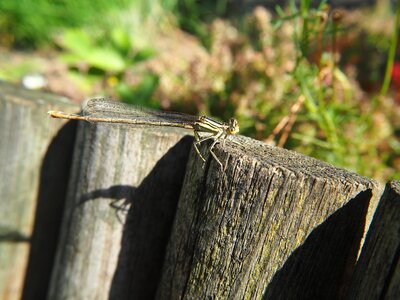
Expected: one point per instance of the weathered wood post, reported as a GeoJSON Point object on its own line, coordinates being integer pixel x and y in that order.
{"type": "Point", "coordinates": [35, 156]}
{"type": "Point", "coordinates": [274, 224]}
{"type": "Point", "coordinates": [377, 274]}
{"type": "Point", "coordinates": [273, 218]}
{"type": "Point", "coordinates": [121, 202]}
{"type": "Point", "coordinates": [280, 225]}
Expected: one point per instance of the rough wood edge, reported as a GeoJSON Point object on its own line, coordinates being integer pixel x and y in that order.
{"type": "Point", "coordinates": [377, 274]}
{"type": "Point", "coordinates": [29, 141]}
{"type": "Point", "coordinates": [121, 202]}
{"type": "Point", "coordinates": [212, 210]}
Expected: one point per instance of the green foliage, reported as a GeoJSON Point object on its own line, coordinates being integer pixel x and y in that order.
{"type": "Point", "coordinates": [32, 23]}
{"type": "Point", "coordinates": [109, 55]}
{"type": "Point", "coordinates": [261, 70]}
{"type": "Point", "coordinates": [266, 71]}
{"type": "Point", "coordinates": [392, 52]}
{"type": "Point", "coordinates": [142, 94]}
{"type": "Point", "coordinates": [81, 47]}
{"type": "Point", "coordinates": [193, 16]}
{"type": "Point", "coordinates": [101, 41]}
{"type": "Point", "coordinates": [14, 72]}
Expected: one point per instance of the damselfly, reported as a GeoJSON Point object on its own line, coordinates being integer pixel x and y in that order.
{"type": "Point", "coordinates": [106, 110]}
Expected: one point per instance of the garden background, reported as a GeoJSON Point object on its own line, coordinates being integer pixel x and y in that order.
{"type": "Point", "coordinates": [320, 79]}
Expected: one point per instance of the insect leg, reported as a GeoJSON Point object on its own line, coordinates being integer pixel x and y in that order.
{"type": "Point", "coordinates": [197, 142]}
{"type": "Point", "coordinates": [217, 139]}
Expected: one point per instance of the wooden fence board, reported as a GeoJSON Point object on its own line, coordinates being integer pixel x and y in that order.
{"type": "Point", "coordinates": [108, 249]}
{"type": "Point", "coordinates": [27, 147]}
{"type": "Point", "coordinates": [274, 224]}
{"type": "Point", "coordinates": [281, 226]}
{"type": "Point", "coordinates": [377, 273]}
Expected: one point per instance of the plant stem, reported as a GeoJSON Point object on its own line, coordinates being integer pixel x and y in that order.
{"type": "Point", "coordinates": [392, 53]}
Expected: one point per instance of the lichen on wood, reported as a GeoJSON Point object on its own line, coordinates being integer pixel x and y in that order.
{"type": "Point", "coordinates": [278, 217]}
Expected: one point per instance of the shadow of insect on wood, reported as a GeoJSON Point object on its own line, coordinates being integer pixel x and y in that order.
{"type": "Point", "coordinates": [147, 213]}
{"type": "Point", "coordinates": [120, 197]}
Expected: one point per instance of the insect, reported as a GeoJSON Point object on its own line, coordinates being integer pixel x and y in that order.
{"type": "Point", "coordinates": [109, 111]}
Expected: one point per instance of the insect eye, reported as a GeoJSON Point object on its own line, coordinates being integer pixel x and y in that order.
{"type": "Point", "coordinates": [233, 126]}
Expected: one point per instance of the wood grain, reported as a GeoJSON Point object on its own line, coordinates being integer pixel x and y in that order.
{"type": "Point", "coordinates": [121, 203]}
{"type": "Point", "coordinates": [280, 225]}
{"type": "Point", "coordinates": [377, 273]}
{"type": "Point", "coordinates": [34, 168]}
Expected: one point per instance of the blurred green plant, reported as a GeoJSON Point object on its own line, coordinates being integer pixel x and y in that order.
{"type": "Point", "coordinates": [289, 69]}
{"type": "Point", "coordinates": [292, 79]}
{"type": "Point", "coordinates": [17, 70]}
{"type": "Point", "coordinates": [26, 23]}
{"type": "Point", "coordinates": [392, 53]}
{"type": "Point", "coordinates": [102, 42]}
{"type": "Point", "coordinates": [193, 16]}
{"type": "Point", "coordinates": [349, 133]}
{"type": "Point", "coordinates": [105, 58]}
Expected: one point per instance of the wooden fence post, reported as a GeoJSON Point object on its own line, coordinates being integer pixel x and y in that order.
{"type": "Point", "coordinates": [280, 225]}
{"type": "Point", "coordinates": [377, 274]}
{"type": "Point", "coordinates": [120, 207]}
{"type": "Point", "coordinates": [34, 168]}
{"type": "Point", "coordinates": [273, 224]}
